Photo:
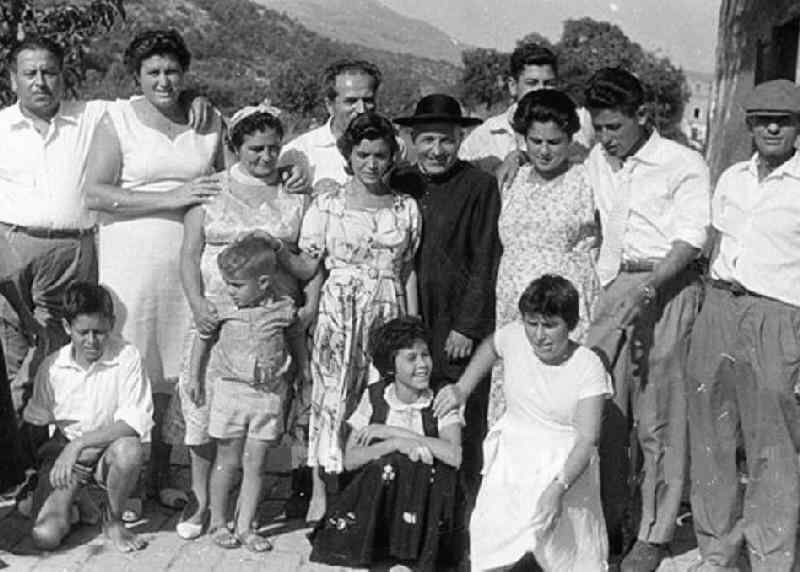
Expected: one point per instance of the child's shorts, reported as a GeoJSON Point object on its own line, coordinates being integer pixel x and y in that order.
{"type": "Point", "coordinates": [240, 410]}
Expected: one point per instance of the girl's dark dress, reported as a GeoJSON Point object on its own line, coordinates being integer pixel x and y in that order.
{"type": "Point", "coordinates": [393, 509]}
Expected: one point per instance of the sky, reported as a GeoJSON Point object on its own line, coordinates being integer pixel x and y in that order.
{"type": "Point", "coordinates": [683, 30]}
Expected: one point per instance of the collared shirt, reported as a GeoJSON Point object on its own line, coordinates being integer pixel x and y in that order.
{"type": "Point", "coordinates": [319, 154]}
{"type": "Point", "coordinates": [114, 388]}
{"type": "Point", "coordinates": [495, 138]}
{"type": "Point", "coordinates": [251, 345]}
{"type": "Point", "coordinates": [669, 196]}
{"type": "Point", "coordinates": [758, 224]}
{"type": "Point", "coordinates": [41, 177]}
{"type": "Point", "coordinates": [401, 414]}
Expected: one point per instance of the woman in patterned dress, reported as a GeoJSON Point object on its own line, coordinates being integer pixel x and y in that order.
{"type": "Point", "coordinates": [547, 223]}
{"type": "Point", "coordinates": [366, 234]}
{"type": "Point", "coordinates": [252, 198]}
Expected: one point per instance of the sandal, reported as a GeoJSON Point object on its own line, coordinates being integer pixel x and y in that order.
{"type": "Point", "coordinates": [133, 510]}
{"type": "Point", "coordinates": [254, 542]}
{"type": "Point", "coordinates": [224, 538]}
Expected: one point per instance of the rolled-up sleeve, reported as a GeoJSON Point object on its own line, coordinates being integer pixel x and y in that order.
{"type": "Point", "coordinates": [135, 402]}
{"type": "Point", "coordinates": [692, 214]}
{"type": "Point", "coordinates": [39, 410]}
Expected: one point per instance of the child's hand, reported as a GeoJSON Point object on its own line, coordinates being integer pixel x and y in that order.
{"type": "Point", "coordinates": [367, 434]}
{"type": "Point", "coordinates": [196, 392]}
{"type": "Point", "coordinates": [421, 453]}
{"type": "Point", "coordinates": [306, 315]}
{"type": "Point", "coordinates": [206, 317]}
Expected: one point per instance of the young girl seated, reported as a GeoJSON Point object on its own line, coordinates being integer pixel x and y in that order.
{"type": "Point", "coordinates": [399, 506]}
{"type": "Point", "coordinates": [248, 365]}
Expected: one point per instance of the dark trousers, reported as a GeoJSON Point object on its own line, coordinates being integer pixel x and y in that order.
{"type": "Point", "coordinates": [744, 371]}
{"type": "Point", "coordinates": [648, 412]}
{"type": "Point", "coordinates": [46, 266]}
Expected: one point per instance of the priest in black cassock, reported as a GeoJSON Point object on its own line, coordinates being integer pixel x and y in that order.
{"type": "Point", "coordinates": [458, 257]}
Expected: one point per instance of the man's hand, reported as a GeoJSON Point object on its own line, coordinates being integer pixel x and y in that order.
{"type": "Point", "coordinates": [450, 397]}
{"type": "Point", "coordinates": [295, 180]}
{"type": "Point", "coordinates": [458, 346]}
{"type": "Point", "coordinates": [61, 474]}
{"type": "Point", "coordinates": [201, 114]}
{"type": "Point", "coordinates": [507, 170]}
{"type": "Point", "coordinates": [632, 304]}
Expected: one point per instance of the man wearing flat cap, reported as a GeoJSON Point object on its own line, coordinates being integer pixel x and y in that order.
{"type": "Point", "coordinates": [744, 362]}
{"type": "Point", "coordinates": [458, 256]}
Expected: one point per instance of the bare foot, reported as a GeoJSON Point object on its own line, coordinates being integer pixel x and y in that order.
{"type": "Point", "coordinates": [316, 509]}
{"type": "Point", "coordinates": [123, 539]}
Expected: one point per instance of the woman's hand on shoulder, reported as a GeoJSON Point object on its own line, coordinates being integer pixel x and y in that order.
{"type": "Point", "coordinates": [197, 191]}
{"type": "Point", "coordinates": [450, 397]}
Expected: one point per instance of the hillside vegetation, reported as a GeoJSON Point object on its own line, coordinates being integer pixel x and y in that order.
{"type": "Point", "coordinates": [371, 23]}
{"type": "Point", "coordinates": [243, 53]}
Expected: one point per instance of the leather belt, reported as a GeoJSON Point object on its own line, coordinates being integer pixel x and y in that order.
{"type": "Point", "coordinates": [647, 265]}
{"type": "Point", "coordinates": [634, 266]}
{"type": "Point", "coordinates": [54, 233]}
{"type": "Point", "coordinates": [734, 288]}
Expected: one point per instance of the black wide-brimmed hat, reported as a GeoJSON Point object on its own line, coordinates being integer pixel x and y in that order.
{"type": "Point", "coordinates": [437, 108]}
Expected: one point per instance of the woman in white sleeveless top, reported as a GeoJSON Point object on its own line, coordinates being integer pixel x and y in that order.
{"type": "Point", "coordinates": [147, 166]}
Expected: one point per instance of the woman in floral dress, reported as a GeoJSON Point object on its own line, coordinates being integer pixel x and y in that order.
{"type": "Point", "coordinates": [367, 236]}
{"type": "Point", "coordinates": [547, 223]}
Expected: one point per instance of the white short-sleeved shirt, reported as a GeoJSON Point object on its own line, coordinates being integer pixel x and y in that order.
{"type": "Point", "coordinates": [77, 400]}
{"type": "Point", "coordinates": [41, 177]}
{"type": "Point", "coordinates": [404, 415]}
{"type": "Point", "coordinates": [549, 393]}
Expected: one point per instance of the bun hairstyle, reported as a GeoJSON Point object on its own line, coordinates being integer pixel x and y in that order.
{"type": "Point", "coordinates": [156, 43]}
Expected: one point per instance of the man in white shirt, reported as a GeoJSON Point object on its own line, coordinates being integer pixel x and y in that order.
{"type": "Point", "coordinates": [96, 394]}
{"type": "Point", "coordinates": [44, 142]}
{"type": "Point", "coordinates": [653, 198]}
{"type": "Point", "coordinates": [351, 87]}
{"type": "Point", "coordinates": [532, 67]}
{"type": "Point", "coordinates": [744, 362]}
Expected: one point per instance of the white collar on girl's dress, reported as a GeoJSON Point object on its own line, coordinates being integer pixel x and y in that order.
{"type": "Point", "coordinates": [396, 404]}
{"type": "Point", "coordinates": [239, 175]}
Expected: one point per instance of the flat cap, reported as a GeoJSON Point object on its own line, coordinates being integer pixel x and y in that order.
{"type": "Point", "coordinates": [775, 97]}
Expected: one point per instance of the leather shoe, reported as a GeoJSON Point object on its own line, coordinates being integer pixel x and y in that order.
{"type": "Point", "coordinates": [644, 557]}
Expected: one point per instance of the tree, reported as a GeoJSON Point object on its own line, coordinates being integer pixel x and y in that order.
{"type": "Point", "coordinates": [482, 82]}
{"type": "Point", "coordinates": [72, 25]}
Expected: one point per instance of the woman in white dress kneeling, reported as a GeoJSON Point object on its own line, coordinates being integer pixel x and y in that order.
{"type": "Point", "coordinates": [540, 492]}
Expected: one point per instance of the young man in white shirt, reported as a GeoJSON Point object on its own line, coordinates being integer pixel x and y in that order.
{"type": "Point", "coordinates": [744, 362]}
{"type": "Point", "coordinates": [94, 390]}
{"type": "Point", "coordinates": [532, 67]}
{"type": "Point", "coordinates": [653, 199]}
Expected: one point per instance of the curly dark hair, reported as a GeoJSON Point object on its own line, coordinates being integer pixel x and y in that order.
{"type": "Point", "coordinates": [551, 295]}
{"type": "Point", "coordinates": [395, 335]}
{"type": "Point", "coordinates": [615, 88]}
{"type": "Point", "coordinates": [369, 126]}
{"type": "Point", "coordinates": [255, 123]}
{"type": "Point", "coordinates": [546, 105]}
{"type": "Point", "coordinates": [86, 298]}
{"type": "Point", "coordinates": [156, 42]}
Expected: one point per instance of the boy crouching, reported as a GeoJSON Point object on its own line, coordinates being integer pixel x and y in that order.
{"type": "Point", "coordinates": [95, 392]}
